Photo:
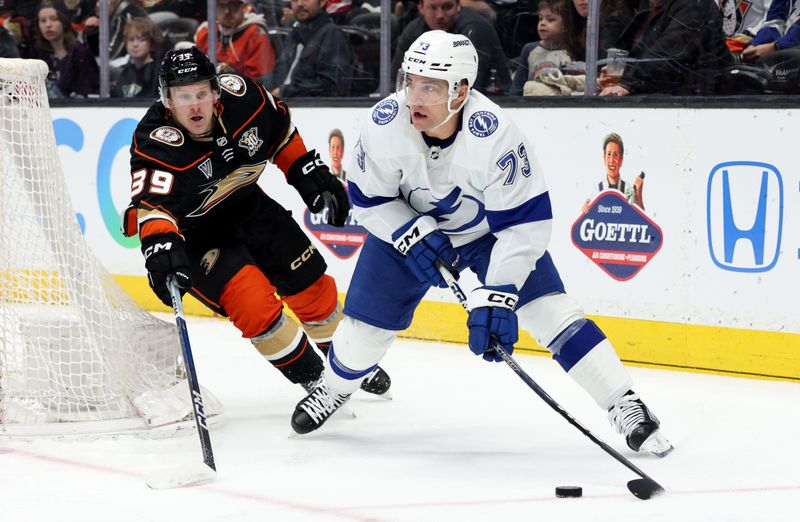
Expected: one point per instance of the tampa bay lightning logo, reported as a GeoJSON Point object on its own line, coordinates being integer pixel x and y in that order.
{"type": "Point", "coordinates": [455, 212]}
{"type": "Point", "coordinates": [483, 124]}
{"type": "Point", "coordinates": [385, 112]}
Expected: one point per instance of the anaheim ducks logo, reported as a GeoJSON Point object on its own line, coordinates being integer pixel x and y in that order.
{"type": "Point", "coordinates": [232, 84]}
{"type": "Point", "coordinates": [216, 192]}
{"type": "Point", "coordinates": [169, 135]}
{"type": "Point", "coordinates": [209, 260]}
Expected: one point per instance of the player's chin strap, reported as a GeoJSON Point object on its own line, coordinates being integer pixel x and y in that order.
{"type": "Point", "coordinates": [643, 487]}
{"type": "Point", "coordinates": [450, 111]}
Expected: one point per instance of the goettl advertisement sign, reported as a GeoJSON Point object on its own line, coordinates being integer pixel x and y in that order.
{"type": "Point", "coordinates": [344, 242]}
{"type": "Point", "coordinates": [617, 236]}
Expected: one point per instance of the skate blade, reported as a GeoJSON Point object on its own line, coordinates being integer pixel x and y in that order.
{"type": "Point", "coordinates": [387, 395]}
{"type": "Point", "coordinates": [657, 444]}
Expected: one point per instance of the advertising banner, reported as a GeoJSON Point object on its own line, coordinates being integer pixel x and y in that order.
{"type": "Point", "coordinates": [660, 215]}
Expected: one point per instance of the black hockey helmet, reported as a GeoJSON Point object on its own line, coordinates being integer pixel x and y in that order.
{"type": "Point", "coordinates": [185, 66]}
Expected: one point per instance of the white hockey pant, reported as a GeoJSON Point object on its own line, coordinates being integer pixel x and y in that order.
{"type": "Point", "coordinates": [356, 350]}
{"type": "Point", "coordinates": [578, 345]}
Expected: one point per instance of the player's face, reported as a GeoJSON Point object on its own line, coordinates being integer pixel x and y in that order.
{"type": "Point", "coordinates": [336, 150]}
{"type": "Point", "coordinates": [192, 106]}
{"type": "Point", "coordinates": [427, 100]}
{"type": "Point", "coordinates": [440, 14]}
{"type": "Point", "coordinates": [49, 24]}
{"type": "Point", "coordinates": [613, 159]}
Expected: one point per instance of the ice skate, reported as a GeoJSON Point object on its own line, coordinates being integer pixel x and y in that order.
{"type": "Point", "coordinates": [312, 412]}
{"type": "Point", "coordinates": [377, 382]}
{"type": "Point", "coordinates": [636, 422]}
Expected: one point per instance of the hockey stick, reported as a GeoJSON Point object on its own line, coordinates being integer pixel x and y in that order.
{"type": "Point", "coordinates": [644, 487]}
{"type": "Point", "coordinates": [188, 474]}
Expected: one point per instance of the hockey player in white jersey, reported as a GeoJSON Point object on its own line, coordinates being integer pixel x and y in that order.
{"type": "Point", "coordinates": [444, 177]}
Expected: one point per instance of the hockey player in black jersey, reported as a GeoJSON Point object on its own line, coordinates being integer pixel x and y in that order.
{"type": "Point", "coordinates": [202, 218]}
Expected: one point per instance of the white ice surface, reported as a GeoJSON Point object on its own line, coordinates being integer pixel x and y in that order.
{"type": "Point", "coordinates": [462, 440]}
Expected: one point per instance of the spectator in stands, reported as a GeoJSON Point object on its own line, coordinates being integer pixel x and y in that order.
{"type": "Point", "coordinates": [317, 58]}
{"type": "Point", "coordinates": [676, 46]}
{"type": "Point", "coordinates": [336, 152]}
{"type": "Point", "coordinates": [243, 44]}
{"type": "Point", "coordinates": [741, 25]}
{"type": "Point", "coordinates": [73, 70]}
{"type": "Point", "coordinates": [781, 31]}
{"type": "Point", "coordinates": [8, 45]}
{"type": "Point", "coordinates": [550, 55]}
{"type": "Point", "coordinates": [16, 26]}
{"type": "Point", "coordinates": [573, 16]}
{"type": "Point", "coordinates": [120, 11]}
{"type": "Point", "coordinates": [449, 16]}
{"type": "Point", "coordinates": [138, 78]}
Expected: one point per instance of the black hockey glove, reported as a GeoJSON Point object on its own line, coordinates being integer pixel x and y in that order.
{"type": "Point", "coordinates": [319, 188]}
{"type": "Point", "coordinates": [165, 255]}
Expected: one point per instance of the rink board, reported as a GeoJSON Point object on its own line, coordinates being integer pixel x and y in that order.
{"type": "Point", "coordinates": [715, 295]}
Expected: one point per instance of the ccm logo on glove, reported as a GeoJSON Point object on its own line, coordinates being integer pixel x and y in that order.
{"type": "Point", "coordinates": [502, 299]}
{"type": "Point", "coordinates": [156, 248]}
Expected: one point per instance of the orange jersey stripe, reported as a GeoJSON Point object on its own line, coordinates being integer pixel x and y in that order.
{"type": "Point", "coordinates": [293, 150]}
{"type": "Point", "coordinates": [156, 226]}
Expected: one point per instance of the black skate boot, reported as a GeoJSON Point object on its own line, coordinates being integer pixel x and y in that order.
{"type": "Point", "coordinates": [312, 412]}
{"type": "Point", "coordinates": [636, 422]}
{"type": "Point", "coordinates": [377, 382]}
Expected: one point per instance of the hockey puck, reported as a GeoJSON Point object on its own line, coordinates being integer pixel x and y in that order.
{"type": "Point", "coordinates": [569, 491]}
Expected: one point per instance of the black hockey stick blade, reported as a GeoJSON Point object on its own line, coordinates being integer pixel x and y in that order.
{"type": "Point", "coordinates": [645, 488]}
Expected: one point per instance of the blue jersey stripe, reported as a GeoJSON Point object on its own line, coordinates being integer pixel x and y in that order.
{"type": "Point", "coordinates": [360, 200]}
{"type": "Point", "coordinates": [535, 209]}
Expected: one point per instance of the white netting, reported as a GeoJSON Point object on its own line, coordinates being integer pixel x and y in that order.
{"type": "Point", "coordinates": [76, 352]}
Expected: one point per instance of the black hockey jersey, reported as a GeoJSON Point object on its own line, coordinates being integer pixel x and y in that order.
{"type": "Point", "coordinates": [178, 182]}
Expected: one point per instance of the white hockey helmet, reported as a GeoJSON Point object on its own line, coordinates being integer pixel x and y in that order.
{"type": "Point", "coordinates": [446, 56]}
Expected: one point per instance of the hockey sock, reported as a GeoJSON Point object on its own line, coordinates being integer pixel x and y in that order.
{"type": "Point", "coordinates": [588, 357]}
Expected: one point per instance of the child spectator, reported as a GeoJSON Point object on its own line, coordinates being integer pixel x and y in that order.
{"type": "Point", "coordinates": [547, 58]}
{"type": "Point", "coordinates": [139, 77]}
{"type": "Point", "coordinates": [573, 20]}
{"type": "Point", "coordinates": [73, 70]}
{"type": "Point", "coordinates": [242, 40]}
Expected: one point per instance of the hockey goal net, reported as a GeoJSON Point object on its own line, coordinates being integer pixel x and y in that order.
{"type": "Point", "coordinates": [77, 354]}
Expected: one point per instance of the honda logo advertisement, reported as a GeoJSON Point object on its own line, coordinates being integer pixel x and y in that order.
{"type": "Point", "coordinates": [744, 215]}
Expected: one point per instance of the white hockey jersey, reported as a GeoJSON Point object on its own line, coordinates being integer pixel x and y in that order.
{"type": "Point", "coordinates": [484, 180]}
